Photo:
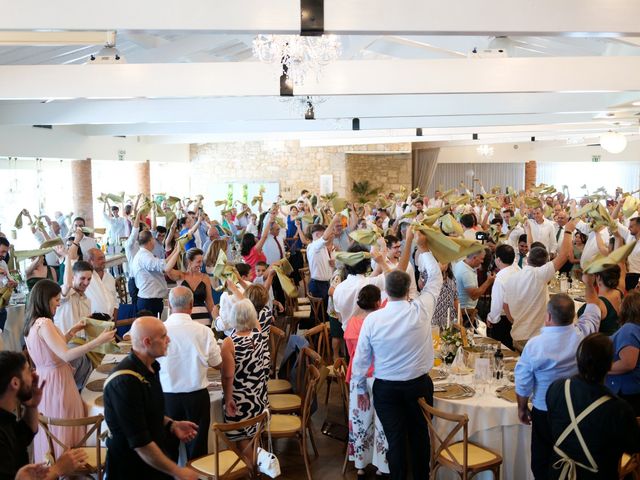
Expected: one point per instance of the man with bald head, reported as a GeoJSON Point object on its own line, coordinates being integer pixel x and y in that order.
{"type": "Point", "coordinates": [183, 372]}
{"type": "Point", "coordinates": [135, 413]}
{"type": "Point", "coordinates": [102, 290]}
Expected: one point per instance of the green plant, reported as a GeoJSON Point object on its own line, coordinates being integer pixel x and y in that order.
{"type": "Point", "coordinates": [363, 191]}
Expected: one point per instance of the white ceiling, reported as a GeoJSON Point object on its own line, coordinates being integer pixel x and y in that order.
{"type": "Point", "coordinates": [190, 76]}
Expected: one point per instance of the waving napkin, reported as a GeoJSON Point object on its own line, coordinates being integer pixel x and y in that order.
{"type": "Point", "coordinates": [367, 236]}
{"type": "Point", "coordinates": [111, 196]}
{"type": "Point", "coordinates": [533, 202]}
{"type": "Point", "coordinates": [447, 249]}
{"type": "Point", "coordinates": [94, 328]}
{"type": "Point", "coordinates": [5, 296]}
{"type": "Point", "coordinates": [339, 204]}
{"type": "Point", "coordinates": [450, 225]}
{"type": "Point", "coordinates": [224, 270]}
{"type": "Point", "coordinates": [91, 231]}
{"type": "Point", "coordinates": [602, 262]}
{"type": "Point", "coordinates": [352, 258]}
{"type": "Point", "coordinates": [18, 223]}
{"type": "Point", "coordinates": [54, 242]}
{"type": "Point", "coordinates": [283, 269]}
{"type": "Point", "coordinates": [23, 254]}
{"type": "Point", "coordinates": [629, 206]}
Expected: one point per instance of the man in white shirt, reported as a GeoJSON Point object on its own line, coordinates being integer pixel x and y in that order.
{"type": "Point", "coordinates": [117, 226]}
{"type": "Point", "coordinates": [274, 250]}
{"type": "Point", "coordinates": [561, 219]}
{"type": "Point", "coordinates": [346, 293]}
{"type": "Point", "coordinates": [498, 325]}
{"type": "Point", "coordinates": [397, 340]}
{"type": "Point", "coordinates": [183, 371]}
{"type": "Point", "coordinates": [86, 242]}
{"type": "Point", "coordinates": [149, 274]}
{"type": "Point", "coordinates": [102, 289]}
{"type": "Point", "coordinates": [543, 231]}
{"type": "Point", "coordinates": [319, 259]}
{"type": "Point", "coordinates": [436, 201]}
{"type": "Point", "coordinates": [394, 252]}
{"type": "Point", "coordinates": [74, 304]}
{"type": "Point", "coordinates": [465, 272]}
{"type": "Point", "coordinates": [526, 295]}
{"type": "Point", "coordinates": [633, 260]}
{"type": "Point", "coordinates": [597, 243]}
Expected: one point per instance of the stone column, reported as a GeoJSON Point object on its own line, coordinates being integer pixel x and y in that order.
{"type": "Point", "coordinates": [82, 190]}
{"type": "Point", "coordinates": [143, 177]}
{"type": "Point", "coordinates": [530, 174]}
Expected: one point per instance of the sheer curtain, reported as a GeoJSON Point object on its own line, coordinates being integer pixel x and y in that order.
{"type": "Point", "coordinates": [424, 163]}
{"type": "Point", "coordinates": [594, 175]}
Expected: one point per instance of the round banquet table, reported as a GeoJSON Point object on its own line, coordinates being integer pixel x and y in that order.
{"type": "Point", "coordinates": [89, 397]}
{"type": "Point", "coordinates": [493, 423]}
{"type": "Point", "coordinates": [12, 338]}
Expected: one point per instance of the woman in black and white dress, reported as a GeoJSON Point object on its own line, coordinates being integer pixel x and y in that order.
{"type": "Point", "coordinates": [244, 371]}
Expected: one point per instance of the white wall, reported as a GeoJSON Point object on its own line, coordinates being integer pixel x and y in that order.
{"type": "Point", "coordinates": [539, 151]}
{"type": "Point", "coordinates": [67, 143]}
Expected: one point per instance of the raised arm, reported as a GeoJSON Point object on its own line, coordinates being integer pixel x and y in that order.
{"type": "Point", "coordinates": [265, 232]}
{"type": "Point", "coordinates": [589, 321]}
{"type": "Point", "coordinates": [406, 252]}
{"type": "Point", "coordinates": [566, 246]}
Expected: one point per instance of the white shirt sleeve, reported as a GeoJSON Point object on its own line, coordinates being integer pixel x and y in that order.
{"type": "Point", "coordinates": [215, 358]}
{"type": "Point", "coordinates": [431, 291]}
{"type": "Point", "coordinates": [497, 300]}
{"type": "Point", "coordinates": [152, 264]}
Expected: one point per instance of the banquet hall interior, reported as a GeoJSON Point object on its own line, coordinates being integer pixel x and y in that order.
{"type": "Point", "coordinates": [320, 239]}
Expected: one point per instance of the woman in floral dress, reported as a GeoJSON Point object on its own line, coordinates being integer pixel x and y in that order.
{"type": "Point", "coordinates": [367, 442]}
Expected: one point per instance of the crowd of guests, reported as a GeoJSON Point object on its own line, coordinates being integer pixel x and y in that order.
{"type": "Point", "coordinates": [385, 283]}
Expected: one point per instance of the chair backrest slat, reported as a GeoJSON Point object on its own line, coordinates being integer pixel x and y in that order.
{"type": "Point", "coordinates": [440, 444]}
{"type": "Point", "coordinates": [249, 453]}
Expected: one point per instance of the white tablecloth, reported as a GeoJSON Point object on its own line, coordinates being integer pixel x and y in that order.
{"type": "Point", "coordinates": [12, 337]}
{"type": "Point", "coordinates": [89, 398]}
{"type": "Point", "coordinates": [493, 423]}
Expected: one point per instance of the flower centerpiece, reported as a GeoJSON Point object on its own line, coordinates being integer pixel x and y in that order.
{"type": "Point", "coordinates": [450, 341]}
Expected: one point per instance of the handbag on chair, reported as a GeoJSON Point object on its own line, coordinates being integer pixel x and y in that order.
{"type": "Point", "coordinates": [266, 461]}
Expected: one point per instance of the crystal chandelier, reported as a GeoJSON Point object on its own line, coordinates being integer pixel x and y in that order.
{"type": "Point", "coordinates": [485, 150]}
{"type": "Point", "coordinates": [300, 56]}
{"type": "Point", "coordinates": [304, 106]}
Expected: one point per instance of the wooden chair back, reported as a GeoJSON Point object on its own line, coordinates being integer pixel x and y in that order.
{"type": "Point", "coordinates": [276, 339]}
{"type": "Point", "coordinates": [307, 357]}
{"type": "Point", "coordinates": [121, 289]}
{"type": "Point", "coordinates": [313, 379]}
{"type": "Point", "coordinates": [318, 338]}
{"type": "Point", "coordinates": [630, 465]}
{"type": "Point", "coordinates": [305, 277]}
{"type": "Point", "coordinates": [340, 371]}
{"type": "Point", "coordinates": [317, 308]}
{"type": "Point", "coordinates": [92, 425]}
{"type": "Point", "coordinates": [249, 453]}
{"type": "Point", "coordinates": [441, 443]}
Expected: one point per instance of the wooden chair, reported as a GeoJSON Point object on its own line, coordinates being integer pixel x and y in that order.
{"type": "Point", "coordinates": [318, 338]}
{"type": "Point", "coordinates": [304, 277]}
{"type": "Point", "coordinates": [231, 463]}
{"type": "Point", "coordinates": [292, 426]}
{"type": "Point", "coordinates": [630, 465]}
{"type": "Point", "coordinates": [292, 402]}
{"type": "Point", "coordinates": [464, 457]}
{"type": "Point", "coordinates": [274, 384]}
{"type": "Point", "coordinates": [96, 455]}
{"type": "Point", "coordinates": [317, 308]}
{"type": "Point", "coordinates": [121, 289]}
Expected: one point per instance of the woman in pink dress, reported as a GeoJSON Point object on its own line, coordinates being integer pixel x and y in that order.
{"type": "Point", "coordinates": [367, 442]}
{"type": "Point", "coordinates": [48, 349]}
{"type": "Point", "coordinates": [251, 250]}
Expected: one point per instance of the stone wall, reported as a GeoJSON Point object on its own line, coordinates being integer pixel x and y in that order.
{"type": "Point", "coordinates": [293, 166]}
{"type": "Point", "coordinates": [388, 171]}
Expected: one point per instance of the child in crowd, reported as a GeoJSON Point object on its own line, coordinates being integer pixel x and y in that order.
{"type": "Point", "coordinates": [264, 277]}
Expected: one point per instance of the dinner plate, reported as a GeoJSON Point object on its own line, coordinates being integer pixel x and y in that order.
{"type": "Point", "coordinates": [453, 391]}
{"type": "Point", "coordinates": [96, 385]}
{"type": "Point", "coordinates": [99, 401]}
{"type": "Point", "coordinates": [437, 374]}
{"type": "Point", "coordinates": [106, 368]}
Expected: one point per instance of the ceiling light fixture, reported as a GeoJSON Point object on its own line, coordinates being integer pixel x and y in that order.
{"type": "Point", "coordinates": [613, 142]}
{"type": "Point", "coordinates": [485, 150]}
{"type": "Point", "coordinates": [300, 55]}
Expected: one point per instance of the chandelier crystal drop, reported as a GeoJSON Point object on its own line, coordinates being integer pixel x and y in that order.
{"type": "Point", "coordinates": [485, 150]}
{"type": "Point", "coordinates": [300, 55]}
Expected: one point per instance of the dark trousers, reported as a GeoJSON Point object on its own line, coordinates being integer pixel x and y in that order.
{"type": "Point", "coordinates": [154, 305]}
{"type": "Point", "coordinates": [3, 317]}
{"type": "Point", "coordinates": [133, 290]}
{"type": "Point", "coordinates": [278, 292]}
{"type": "Point", "coordinates": [631, 281]}
{"type": "Point", "coordinates": [633, 400]}
{"type": "Point", "coordinates": [396, 403]}
{"type": "Point", "coordinates": [194, 407]}
{"type": "Point", "coordinates": [541, 444]}
{"type": "Point", "coordinates": [501, 331]}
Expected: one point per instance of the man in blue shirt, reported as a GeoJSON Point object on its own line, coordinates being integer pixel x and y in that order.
{"type": "Point", "coordinates": [547, 358]}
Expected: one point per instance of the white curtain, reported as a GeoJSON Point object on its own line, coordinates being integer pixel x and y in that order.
{"type": "Point", "coordinates": [424, 163]}
{"type": "Point", "coordinates": [449, 175]}
{"type": "Point", "coordinates": [594, 175]}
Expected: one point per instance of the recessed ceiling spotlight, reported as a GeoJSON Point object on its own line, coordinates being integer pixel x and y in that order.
{"type": "Point", "coordinates": [636, 104]}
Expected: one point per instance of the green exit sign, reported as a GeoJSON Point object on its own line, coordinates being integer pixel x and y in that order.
{"type": "Point", "coordinates": [595, 158]}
